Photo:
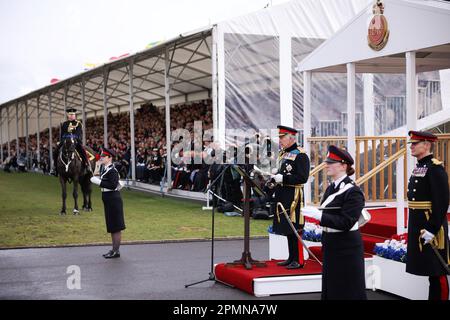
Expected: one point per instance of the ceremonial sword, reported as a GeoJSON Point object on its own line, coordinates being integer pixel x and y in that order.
{"type": "Point", "coordinates": [365, 207]}
{"type": "Point", "coordinates": [220, 198]}
{"type": "Point", "coordinates": [441, 260]}
{"type": "Point", "coordinates": [279, 204]}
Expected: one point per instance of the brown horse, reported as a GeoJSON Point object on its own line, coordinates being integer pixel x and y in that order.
{"type": "Point", "coordinates": [71, 169]}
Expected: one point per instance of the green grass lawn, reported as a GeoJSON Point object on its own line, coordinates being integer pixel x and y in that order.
{"type": "Point", "coordinates": [30, 205]}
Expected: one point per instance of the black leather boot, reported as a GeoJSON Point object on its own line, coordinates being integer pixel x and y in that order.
{"type": "Point", "coordinates": [284, 263]}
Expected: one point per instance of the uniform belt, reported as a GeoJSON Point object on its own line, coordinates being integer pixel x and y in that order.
{"type": "Point", "coordinates": [331, 230]}
{"type": "Point", "coordinates": [423, 205]}
{"type": "Point", "coordinates": [107, 190]}
{"type": "Point", "coordinates": [292, 185]}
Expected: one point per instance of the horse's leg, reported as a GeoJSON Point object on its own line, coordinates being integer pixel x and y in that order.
{"type": "Point", "coordinates": [85, 196]}
{"type": "Point", "coordinates": [75, 196]}
{"type": "Point", "coordinates": [63, 194]}
{"type": "Point", "coordinates": [89, 192]}
{"type": "Point", "coordinates": [83, 191]}
{"type": "Point", "coordinates": [86, 187]}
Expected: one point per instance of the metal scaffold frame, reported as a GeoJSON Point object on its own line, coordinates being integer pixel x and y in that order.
{"type": "Point", "coordinates": [176, 71]}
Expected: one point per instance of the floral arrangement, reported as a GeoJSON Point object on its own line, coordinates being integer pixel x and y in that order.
{"type": "Point", "coordinates": [311, 232]}
{"type": "Point", "coordinates": [394, 249]}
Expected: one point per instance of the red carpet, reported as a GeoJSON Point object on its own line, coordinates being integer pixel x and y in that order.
{"type": "Point", "coordinates": [383, 223]}
{"type": "Point", "coordinates": [382, 226]}
{"type": "Point", "coordinates": [242, 278]}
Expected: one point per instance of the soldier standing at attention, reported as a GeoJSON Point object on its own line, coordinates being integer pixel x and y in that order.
{"type": "Point", "coordinates": [428, 199]}
{"type": "Point", "coordinates": [293, 172]}
{"type": "Point", "coordinates": [342, 246]}
{"type": "Point", "coordinates": [112, 201]}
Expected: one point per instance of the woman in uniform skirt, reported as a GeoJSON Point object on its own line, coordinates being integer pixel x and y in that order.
{"type": "Point", "coordinates": [112, 201]}
{"type": "Point", "coordinates": [343, 273]}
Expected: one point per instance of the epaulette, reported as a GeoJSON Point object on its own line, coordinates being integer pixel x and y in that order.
{"type": "Point", "coordinates": [301, 150]}
{"type": "Point", "coordinates": [436, 162]}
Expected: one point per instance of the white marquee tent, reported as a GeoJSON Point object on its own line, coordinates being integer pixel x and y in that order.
{"type": "Point", "coordinates": [246, 65]}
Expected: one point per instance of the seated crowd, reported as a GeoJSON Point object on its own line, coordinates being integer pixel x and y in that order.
{"type": "Point", "coordinates": [150, 145]}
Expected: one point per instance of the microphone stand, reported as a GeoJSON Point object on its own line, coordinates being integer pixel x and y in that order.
{"type": "Point", "coordinates": [212, 276]}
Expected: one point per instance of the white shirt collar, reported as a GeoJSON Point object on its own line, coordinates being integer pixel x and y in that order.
{"type": "Point", "coordinates": [338, 181]}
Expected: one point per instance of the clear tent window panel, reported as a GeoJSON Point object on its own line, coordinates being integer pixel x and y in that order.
{"type": "Point", "coordinates": [252, 85]}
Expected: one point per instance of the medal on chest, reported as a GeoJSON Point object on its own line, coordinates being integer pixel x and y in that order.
{"type": "Point", "coordinates": [420, 172]}
{"type": "Point", "coordinates": [289, 167]}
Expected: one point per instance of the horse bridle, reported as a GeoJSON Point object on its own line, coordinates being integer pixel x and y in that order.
{"type": "Point", "coordinates": [71, 158]}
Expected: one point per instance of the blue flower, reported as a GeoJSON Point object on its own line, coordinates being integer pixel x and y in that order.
{"type": "Point", "coordinates": [390, 251]}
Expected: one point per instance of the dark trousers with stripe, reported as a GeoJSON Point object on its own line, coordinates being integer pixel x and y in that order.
{"type": "Point", "coordinates": [295, 249]}
{"type": "Point", "coordinates": [438, 288]}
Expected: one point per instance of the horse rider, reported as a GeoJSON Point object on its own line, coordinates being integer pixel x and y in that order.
{"type": "Point", "coordinates": [72, 128]}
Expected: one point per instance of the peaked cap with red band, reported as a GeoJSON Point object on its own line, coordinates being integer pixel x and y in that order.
{"type": "Point", "coordinates": [418, 136]}
{"type": "Point", "coordinates": [336, 154]}
{"type": "Point", "coordinates": [108, 152]}
{"type": "Point", "coordinates": [283, 130]}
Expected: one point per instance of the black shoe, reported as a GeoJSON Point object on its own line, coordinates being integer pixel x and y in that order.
{"type": "Point", "coordinates": [294, 265]}
{"type": "Point", "coordinates": [109, 252]}
{"type": "Point", "coordinates": [284, 263]}
{"type": "Point", "coordinates": [112, 255]}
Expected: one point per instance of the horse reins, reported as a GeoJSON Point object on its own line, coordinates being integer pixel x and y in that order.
{"type": "Point", "coordinates": [70, 161]}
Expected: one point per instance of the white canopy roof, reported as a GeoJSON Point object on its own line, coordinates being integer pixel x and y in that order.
{"type": "Point", "coordinates": [189, 73]}
{"type": "Point", "coordinates": [422, 26]}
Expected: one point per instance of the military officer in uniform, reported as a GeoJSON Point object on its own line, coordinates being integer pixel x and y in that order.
{"type": "Point", "coordinates": [112, 201]}
{"type": "Point", "coordinates": [72, 128]}
{"type": "Point", "coordinates": [428, 199]}
{"type": "Point", "coordinates": [342, 247]}
{"type": "Point", "coordinates": [287, 189]}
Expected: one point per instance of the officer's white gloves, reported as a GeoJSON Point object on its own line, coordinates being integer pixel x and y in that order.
{"type": "Point", "coordinates": [96, 180]}
{"type": "Point", "coordinates": [312, 212]}
{"type": "Point", "coordinates": [278, 178]}
{"type": "Point", "coordinates": [426, 235]}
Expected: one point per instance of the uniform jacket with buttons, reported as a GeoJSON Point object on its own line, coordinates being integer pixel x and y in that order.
{"type": "Point", "coordinates": [74, 128]}
{"type": "Point", "coordinates": [109, 178]}
{"type": "Point", "coordinates": [428, 182]}
{"type": "Point", "coordinates": [294, 166]}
